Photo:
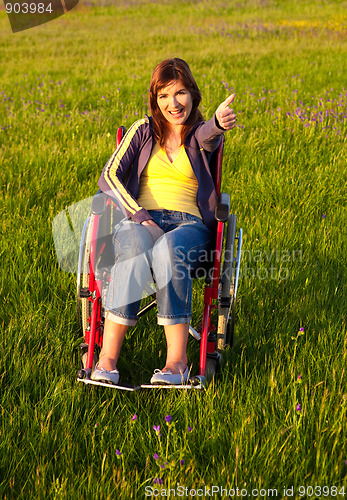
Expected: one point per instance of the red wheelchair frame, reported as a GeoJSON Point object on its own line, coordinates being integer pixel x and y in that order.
{"type": "Point", "coordinates": [219, 293]}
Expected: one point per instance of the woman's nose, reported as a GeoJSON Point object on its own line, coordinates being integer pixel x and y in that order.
{"type": "Point", "coordinates": [174, 101]}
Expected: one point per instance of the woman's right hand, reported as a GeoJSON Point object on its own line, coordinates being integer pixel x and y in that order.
{"type": "Point", "coordinates": [226, 116]}
{"type": "Point", "coordinates": [153, 228]}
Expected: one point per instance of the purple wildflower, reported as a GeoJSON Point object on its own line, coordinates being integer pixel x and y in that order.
{"type": "Point", "coordinates": [302, 329]}
{"type": "Point", "coordinates": [157, 480]}
{"type": "Point", "coordinates": [168, 419]}
{"type": "Point", "coordinates": [182, 462]}
{"type": "Point", "coordinates": [298, 407]}
{"type": "Point", "coordinates": [118, 453]}
{"type": "Point", "coordinates": [157, 429]}
{"type": "Point", "coordinates": [155, 456]}
{"type": "Point", "coordinates": [189, 429]}
{"type": "Point", "coordinates": [134, 417]}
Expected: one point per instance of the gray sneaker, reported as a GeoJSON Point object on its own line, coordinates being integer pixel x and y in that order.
{"type": "Point", "coordinates": [102, 375]}
{"type": "Point", "coordinates": [168, 378]}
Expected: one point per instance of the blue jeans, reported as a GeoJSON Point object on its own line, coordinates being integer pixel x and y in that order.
{"type": "Point", "coordinates": [170, 260]}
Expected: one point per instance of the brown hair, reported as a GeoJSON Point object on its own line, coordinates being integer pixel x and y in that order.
{"type": "Point", "coordinates": [166, 72]}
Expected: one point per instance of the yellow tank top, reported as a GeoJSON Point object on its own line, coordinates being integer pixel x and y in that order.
{"type": "Point", "coordinates": [169, 186]}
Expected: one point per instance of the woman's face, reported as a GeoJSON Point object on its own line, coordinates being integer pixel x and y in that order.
{"type": "Point", "coordinates": [175, 102]}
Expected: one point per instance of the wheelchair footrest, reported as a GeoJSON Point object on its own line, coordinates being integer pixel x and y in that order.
{"type": "Point", "coordinates": [131, 388]}
{"type": "Point", "coordinates": [122, 387]}
{"type": "Point", "coordinates": [172, 386]}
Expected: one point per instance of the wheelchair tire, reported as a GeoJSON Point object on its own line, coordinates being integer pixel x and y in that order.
{"type": "Point", "coordinates": [226, 297]}
{"type": "Point", "coordinates": [83, 304]}
{"type": "Point", "coordinates": [83, 358]}
{"type": "Point", "coordinates": [212, 367]}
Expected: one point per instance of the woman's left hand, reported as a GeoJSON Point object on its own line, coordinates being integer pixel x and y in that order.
{"type": "Point", "coordinates": [225, 115]}
{"type": "Point", "coordinates": [153, 228]}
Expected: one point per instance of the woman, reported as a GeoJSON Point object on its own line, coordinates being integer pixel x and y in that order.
{"type": "Point", "coordinates": [160, 178]}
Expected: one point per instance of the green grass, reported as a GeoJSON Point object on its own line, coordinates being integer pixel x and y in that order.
{"type": "Point", "coordinates": [284, 166]}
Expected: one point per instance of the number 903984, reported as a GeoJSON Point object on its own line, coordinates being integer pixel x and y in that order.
{"type": "Point", "coordinates": [28, 8]}
{"type": "Point", "coordinates": [321, 491]}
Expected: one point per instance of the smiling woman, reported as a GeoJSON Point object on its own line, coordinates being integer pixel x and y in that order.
{"type": "Point", "coordinates": [169, 201]}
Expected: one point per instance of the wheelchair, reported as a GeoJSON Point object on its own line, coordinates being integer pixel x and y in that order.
{"type": "Point", "coordinates": [221, 276]}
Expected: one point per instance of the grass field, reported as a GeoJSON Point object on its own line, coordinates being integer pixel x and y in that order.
{"type": "Point", "coordinates": [275, 418]}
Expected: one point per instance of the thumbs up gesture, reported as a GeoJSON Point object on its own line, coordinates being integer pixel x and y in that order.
{"type": "Point", "coordinates": [225, 116]}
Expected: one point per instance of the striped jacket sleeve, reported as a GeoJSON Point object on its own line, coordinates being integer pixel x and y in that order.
{"type": "Point", "coordinates": [115, 170]}
{"type": "Point", "coordinates": [209, 135]}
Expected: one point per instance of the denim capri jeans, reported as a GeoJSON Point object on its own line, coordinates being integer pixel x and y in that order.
{"type": "Point", "coordinates": [168, 262]}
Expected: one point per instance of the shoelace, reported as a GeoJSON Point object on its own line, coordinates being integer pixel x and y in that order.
{"type": "Point", "coordinates": [101, 369]}
{"type": "Point", "coordinates": [162, 373]}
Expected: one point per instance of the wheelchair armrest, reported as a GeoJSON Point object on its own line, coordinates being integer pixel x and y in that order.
{"type": "Point", "coordinates": [223, 207]}
{"type": "Point", "coordinates": [99, 203]}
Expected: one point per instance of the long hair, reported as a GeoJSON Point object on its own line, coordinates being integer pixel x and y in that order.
{"type": "Point", "coordinates": [168, 71]}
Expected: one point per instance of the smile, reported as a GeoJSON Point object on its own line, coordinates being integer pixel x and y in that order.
{"type": "Point", "coordinates": [176, 113]}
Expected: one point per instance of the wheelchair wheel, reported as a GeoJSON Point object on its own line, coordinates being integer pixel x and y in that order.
{"type": "Point", "coordinates": [212, 366]}
{"type": "Point", "coordinates": [83, 304]}
{"type": "Point", "coordinates": [84, 354]}
{"type": "Point", "coordinates": [225, 330]}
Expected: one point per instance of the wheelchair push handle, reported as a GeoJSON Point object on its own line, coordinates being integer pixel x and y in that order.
{"type": "Point", "coordinates": [99, 203]}
{"type": "Point", "coordinates": [223, 207]}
